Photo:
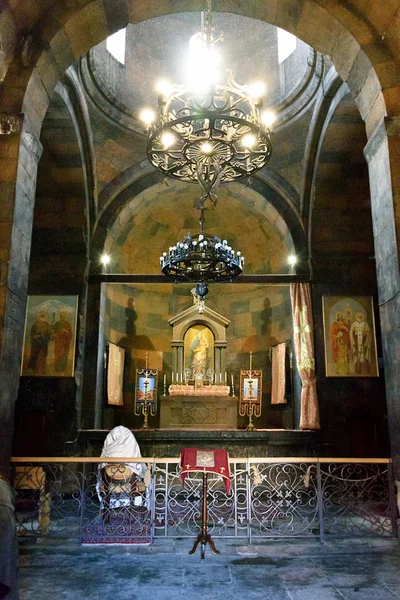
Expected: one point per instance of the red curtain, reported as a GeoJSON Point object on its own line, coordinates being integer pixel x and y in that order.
{"type": "Point", "coordinates": [304, 347]}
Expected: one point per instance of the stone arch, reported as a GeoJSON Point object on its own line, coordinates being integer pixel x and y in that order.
{"type": "Point", "coordinates": [361, 48]}
{"type": "Point", "coordinates": [132, 182]}
{"type": "Point", "coordinates": [341, 34]}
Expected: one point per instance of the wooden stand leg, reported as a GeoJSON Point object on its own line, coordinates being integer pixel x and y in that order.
{"type": "Point", "coordinates": [204, 537]}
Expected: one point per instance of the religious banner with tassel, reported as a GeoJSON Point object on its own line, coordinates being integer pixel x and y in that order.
{"type": "Point", "coordinates": [250, 397]}
{"type": "Point", "coordinates": [146, 393]}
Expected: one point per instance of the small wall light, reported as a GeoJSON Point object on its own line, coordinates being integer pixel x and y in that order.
{"type": "Point", "coordinates": [105, 259]}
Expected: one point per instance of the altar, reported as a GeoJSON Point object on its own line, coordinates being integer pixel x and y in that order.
{"type": "Point", "coordinates": [198, 412]}
{"type": "Point", "coordinates": [199, 397]}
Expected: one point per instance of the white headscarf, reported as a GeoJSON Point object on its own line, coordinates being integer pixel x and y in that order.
{"type": "Point", "coordinates": [121, 443]}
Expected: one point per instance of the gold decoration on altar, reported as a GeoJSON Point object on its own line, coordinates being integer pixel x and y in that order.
{"type": "Point", "coordinates": [250, 399]}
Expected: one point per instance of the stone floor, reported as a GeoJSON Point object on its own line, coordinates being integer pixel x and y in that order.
{"type": "Point", "coordinates": [272, 570]}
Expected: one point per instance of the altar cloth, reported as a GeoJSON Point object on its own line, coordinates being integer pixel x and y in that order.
{"type": "Point", "coordinates": [181, 389]}
{"type": "Point", "coordinates": [206, 461]}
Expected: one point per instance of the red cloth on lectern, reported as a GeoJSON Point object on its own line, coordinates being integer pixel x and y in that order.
{"type": "Point", "coordinates": [196, 459]}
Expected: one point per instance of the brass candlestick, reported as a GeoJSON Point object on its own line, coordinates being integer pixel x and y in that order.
{"type": "Point", "coordinates": [145, 406]}
{"type": "Point", "coordinates": [250, 426]}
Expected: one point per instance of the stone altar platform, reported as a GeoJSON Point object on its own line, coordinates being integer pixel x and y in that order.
{"type": "Point", "coordinates": [239, 443]}
{"type": "Point", "coordinates": [198, 412]}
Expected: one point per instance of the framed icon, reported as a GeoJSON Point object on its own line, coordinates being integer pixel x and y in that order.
{"type": "Point", "coordinates": [349, 336]}
{"type": "Point", "coordinates": [250, 392]}
{"type": "Point", "coordinates": [49, 336]}
{"type": "Point", "coordinates": [146, 390]}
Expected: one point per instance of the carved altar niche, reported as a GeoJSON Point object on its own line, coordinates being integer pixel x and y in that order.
{"type": "Point", "coordinates": [211, 411]}
{"type": "Point", "coordinates": [189, 318]}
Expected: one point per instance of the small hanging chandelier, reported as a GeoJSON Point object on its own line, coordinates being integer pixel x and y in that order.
{"type": "Point", "coordinates": [206, 132]}
{"type": "Point", "coordinates": [202, 258]}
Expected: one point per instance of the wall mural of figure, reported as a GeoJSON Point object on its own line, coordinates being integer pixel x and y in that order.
{"type": "Point", "coordinates": [360, 336]}
{"type": "Point", "coordinates": [199, 350]}
{"type": "Point", "coordinates": [62, 336]}
{"type": "Point", "coordinates": [40, 336]}
{"type": "Point", "coordinates": [350, 340]}
{"type": "Point", "coordinates": [49, 337]}
{"type": "Point", "coordinates": [340, 340]}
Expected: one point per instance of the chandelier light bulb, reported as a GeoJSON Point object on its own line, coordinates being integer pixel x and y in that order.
{"type": "Point", "coordinates": [167, 139]}
{"type": "Point", "coordinates": [164, 87]}
{"type": "Point", "coordinates": [202, 65]}
{"type": "Point", "coordinates": [292, 259]}
{"type": "Point", "coordinates": [268, 118]}
{"type": "Point", "coordinates": [206, 148]}
{"type": "Point", "coordinates": [248, 140]}
{"type": "Point", "coordinates": [148, 116]}
{"type": "Point", "coordinates": [256, 89]}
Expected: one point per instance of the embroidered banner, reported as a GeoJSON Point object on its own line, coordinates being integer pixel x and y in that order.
{"type": "Point", "coordinates": [209, 461]}
{"type": "Point", "coordinates": [278, 374]}
{"type": "Point", "coordinates": [115, 374]}
{"type": "Point", "coordinates": [304, 346]}
{"type": "Point", "coordinates": [250, 398]}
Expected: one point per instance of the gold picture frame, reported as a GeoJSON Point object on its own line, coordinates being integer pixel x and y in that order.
{"type": "Point", "coordinates": [349, 336]}
{"type": "Point", "coordinates": [49, 336]}
{"type": "Point", "coordinates": [250, 397]}
{"type": "Point", "coordinates": [199, 350]}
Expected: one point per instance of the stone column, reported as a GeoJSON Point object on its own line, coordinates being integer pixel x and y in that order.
{"type": "Point", "coordinates": [222, 357]}
{"type": "Point", "coordinates": [93, 360]}
{"type": "Point", "coordinates": [20, 151]}
{"type": "Point", "coordinates": [382, 153]}
{"type": "Point", "coordinates": [175, 362]}
{"type": "Point", "coordinates": [180, 360]}
{"type": "Point", "coordinates": [217, 361]}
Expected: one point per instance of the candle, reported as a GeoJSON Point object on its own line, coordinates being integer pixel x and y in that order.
{"type": "Point", "coordinates": [172, 377]}
{"type": "Point", "coordinates": [232, 381]}
{"type": "Point", "coordinates": [181, 377]}
{"type": "Point", "coordinates": [165, 379]}
{"type": "Point", "coordinates": [220, 377]}
{"type": "Point", "coordinates": [226, 377]}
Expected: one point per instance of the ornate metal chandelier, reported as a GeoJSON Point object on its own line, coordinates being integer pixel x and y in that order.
{"type": "Point", "coordinates": [202, 258]}
{"type": "Point", "coordinates": [206, 132]}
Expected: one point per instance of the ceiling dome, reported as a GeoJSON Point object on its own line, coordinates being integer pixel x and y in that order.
{"type": "Point", "coordinates": [158, 49]}
{"type": "Point", "coordinates": [161, 215]}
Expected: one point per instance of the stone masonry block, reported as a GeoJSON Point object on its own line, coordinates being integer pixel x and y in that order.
{"type": "Point", "coordinates": [318, 28]}
{"type": "Point", "coordinates": [8, 170]}
{"type": "Point", "coordinates": [9, 147]}
{"type": "Point", "coordinates": [117, 14]}
{"type": "Point", "coordinates": [382, 212]}
{"type": "Point", "coordinates": [19, 265]}
{"type": "Point", "coordinates": [62, 51]}
{"type": "Point", "coordinates": [375, 115]}
{"type": "Point", "coordinates": [359, 73]}
{"type": "Point", "coordinates": [8, 35]}
{"type": "Point", "coordinates": [354, 21]}
{"type": "Point", "coordinates": [48, 70]}
{"type": "Point", "coordinates": [345, 53]}
{"type": "Point", "coordinates": [97, 22]}
{"type": "Point", "coordinates": [380, 181]}
{"type": "Point", "coordinates": [385, 243]}
{"type": "Point", "coordinates": [388, 278]}
{"type": "Point", "coordinates": [392, 100]}
{"type": "Point", "coordinates": [368, 94]}
{"type": "Point", "coordinates": [78, 33]}
{"type": "Point", "coordinates": [36, 100]}
{"type": "Point", "coordinates": [288, 13]}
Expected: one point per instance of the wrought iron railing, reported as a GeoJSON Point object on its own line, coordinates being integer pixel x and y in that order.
{"type": "Point", "coordinates": [269, 498]}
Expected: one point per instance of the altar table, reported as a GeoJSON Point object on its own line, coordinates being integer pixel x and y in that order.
{"type": "Point", "coordinates": [198, 412]}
